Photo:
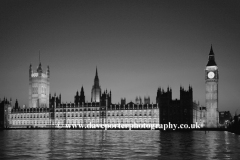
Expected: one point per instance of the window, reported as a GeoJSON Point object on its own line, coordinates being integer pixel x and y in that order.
{"type": "Point", "coordinates": [34, 90]}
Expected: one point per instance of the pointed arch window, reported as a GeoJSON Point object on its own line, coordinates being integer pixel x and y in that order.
{"type": "Point", "coordinates": [35, 90]}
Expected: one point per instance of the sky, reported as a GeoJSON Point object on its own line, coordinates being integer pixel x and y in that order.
{"type": "Point", "coordinates": [136, 45]}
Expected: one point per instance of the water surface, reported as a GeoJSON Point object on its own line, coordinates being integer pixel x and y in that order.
{"type": "Point", "coordinates": [145, 144]}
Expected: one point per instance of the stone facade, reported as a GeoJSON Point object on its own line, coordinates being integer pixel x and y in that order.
{"type": "Point", "coordinates": [39, 87]}
{"type": "Point", "coordinates": [84, 114]}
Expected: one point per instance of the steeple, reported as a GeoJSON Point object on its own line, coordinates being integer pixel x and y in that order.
{"type": "Point", "coordinates": [211, 51]}
{"type": "Point", "coordinates": [16, 104]}
{"type": "Point", "coordinates": [211, 58]}
{"type": "Point", "coordinates": [82, 96]}
{"type": "Point", "coordinates": [82, 91]}
{"type": "Point", "coordinates": [96, 89]}
{"type": "Point", "coordinates": [39, 69]}
{"type": "Point", "coordinates": [30, 70]}
{"type": "Point", "coordinates": [96, 72]}
{"type": "Point", "coordinates": [48, 72]}
{"type": "Point", "coordinates": [96, 79]}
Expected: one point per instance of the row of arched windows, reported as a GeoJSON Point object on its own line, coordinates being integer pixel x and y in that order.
{"type": "Point", "coordinates": [29, 122]}
{"type": "Point", "coordinates": [20, 116]}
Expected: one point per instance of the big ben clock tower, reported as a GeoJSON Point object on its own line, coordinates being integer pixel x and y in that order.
{"type": "Point", "coordinates": [211, 80]}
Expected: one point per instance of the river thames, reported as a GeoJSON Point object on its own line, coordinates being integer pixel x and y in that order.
{"type": "Point", "coordinates": [122, 144]}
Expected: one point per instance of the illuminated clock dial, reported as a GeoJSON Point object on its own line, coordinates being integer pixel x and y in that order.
{"type": "Point", "coordinates": [211, 75]}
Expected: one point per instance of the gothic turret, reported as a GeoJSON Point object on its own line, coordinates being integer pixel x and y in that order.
{"type": "Point", "coordinates": [82, 96]}
{"type": "Point", "coordinates": [48, 72]}
{"type": "Point", "coordinates": [39, 69]}
{"type": "Point", "coordinates": [79, 98]}
{"type": "Point", "coordinates": [39, 87]}
{"type": "Point", "coordinates": [30, 71]}
{"type": "Point", "coordinates": [16, 105]}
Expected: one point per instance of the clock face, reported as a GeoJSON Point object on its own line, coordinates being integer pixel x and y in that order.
{"type": "Point", "coordinates": [211, 75]}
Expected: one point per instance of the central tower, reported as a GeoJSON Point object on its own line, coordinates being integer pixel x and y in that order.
{"type": "Point", "coordinates": [39, 87]}
{"type": "Point", "coordinates": [211, 80]}
{"type": "Point", "coordinates": [96, 89]}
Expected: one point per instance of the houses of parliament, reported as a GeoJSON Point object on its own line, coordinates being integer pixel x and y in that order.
{"type": "Point", "coordinates": [47, 111]}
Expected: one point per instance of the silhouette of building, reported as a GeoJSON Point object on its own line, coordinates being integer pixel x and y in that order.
{"type": "Point", "coordinates": [55, 99]}
{"type": "Point", "coordinates": [106, 98]}
{"type": "Point", "coordinates": [79, 99]}
{"type": "Point", "coordinates": [123, 101]}
{"type": "Point", "coordinates": [175, 111]}
{"type": "Point", "coordinates": [224, 117]}
{"type": "Point", "coordinates": [211, 81]}
{"type": "Point", "coordinates": [5, 110]}
{"type": "Point", "coordinates": [234, 125]}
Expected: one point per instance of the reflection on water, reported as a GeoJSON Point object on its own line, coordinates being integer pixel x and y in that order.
{"type": "Point", "coordinates": [72, 144]}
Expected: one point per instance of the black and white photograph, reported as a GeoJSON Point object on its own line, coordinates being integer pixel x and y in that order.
{"type": "Point", "coordinates": [119, 79]}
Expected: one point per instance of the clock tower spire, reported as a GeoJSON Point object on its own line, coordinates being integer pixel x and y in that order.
{"type": "Point", "coordinates": [211, 59]}
{"type": "Point", "coordinates": [211, 81]}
